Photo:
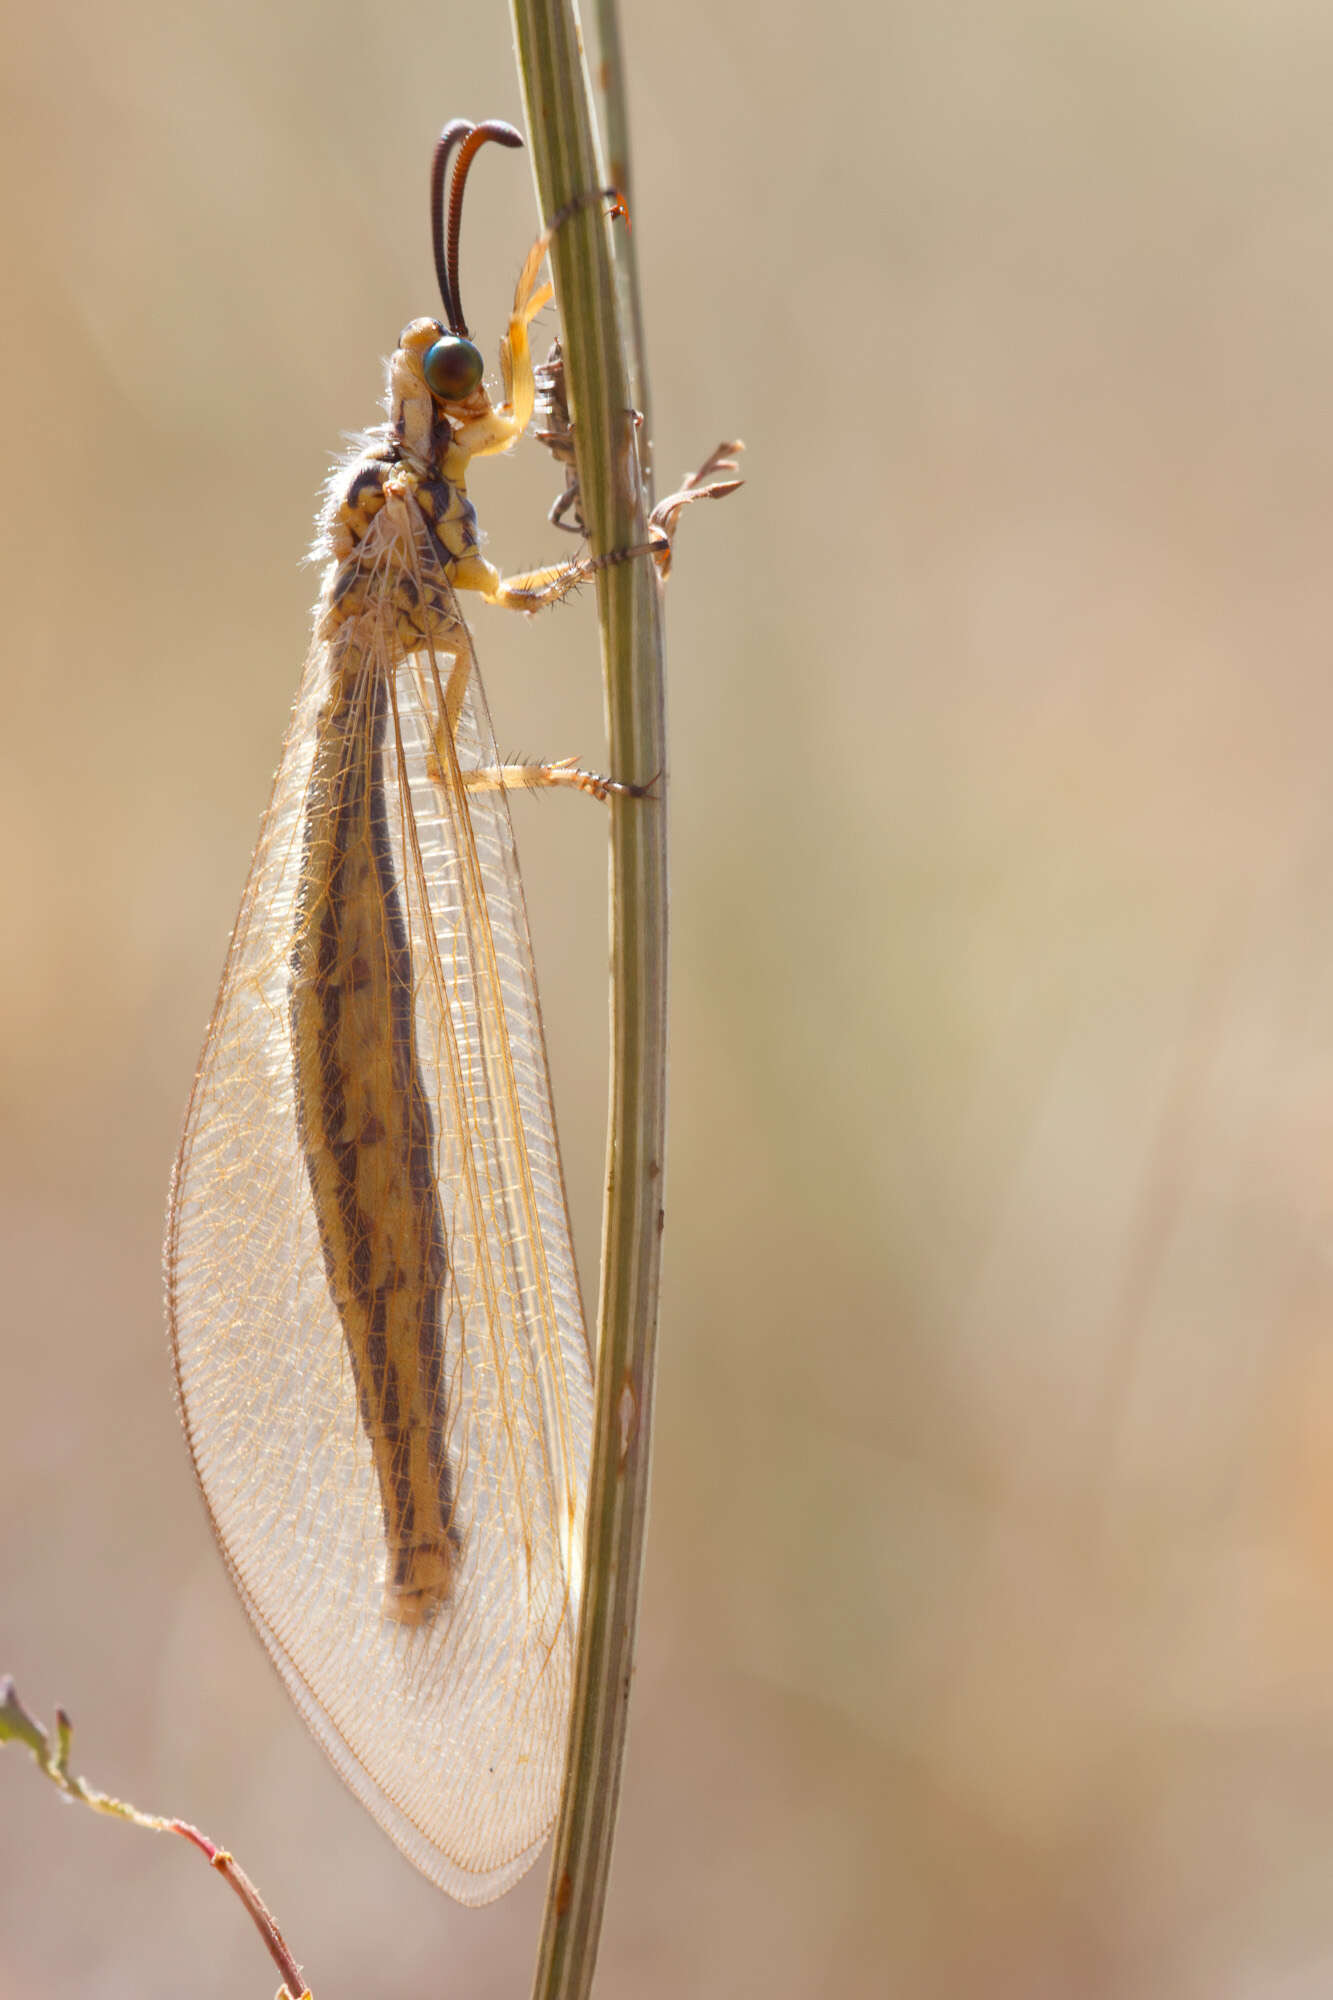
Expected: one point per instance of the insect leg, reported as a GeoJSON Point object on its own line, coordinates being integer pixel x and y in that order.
{"type": "Point", "coordinates": [533, 590]}
{"type": "Point", "coordinates": [561, 505]}
{"type": "Point", "coordinates": [562, 773]}
{"type": "Point", "coordinates": [445, 698]}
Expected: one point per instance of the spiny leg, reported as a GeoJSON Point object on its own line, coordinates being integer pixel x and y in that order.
{"type": "Point", "coordinates": [443, 696]}
{"type": "Point", "coordinates": [562, 773]}
{"type": "Point", "coordinates": [533, 590]}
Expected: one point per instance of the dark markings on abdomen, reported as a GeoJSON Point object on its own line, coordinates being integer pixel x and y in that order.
{"type": "Point", "coordinates": [366, 1130]}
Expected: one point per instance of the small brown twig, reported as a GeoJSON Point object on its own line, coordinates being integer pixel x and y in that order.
{"type": "Point", "coordinates": [51, 1753]}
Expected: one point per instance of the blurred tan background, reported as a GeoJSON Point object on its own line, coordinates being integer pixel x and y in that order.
{"type": "Point", "coordinates": [988, 1634]}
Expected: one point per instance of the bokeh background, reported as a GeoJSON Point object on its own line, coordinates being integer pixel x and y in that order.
{"type": "Point", "coordinates": [988, 1630]}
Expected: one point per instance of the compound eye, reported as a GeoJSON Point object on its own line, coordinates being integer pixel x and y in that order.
{"type": "Point", "coordinates": [453, 367]}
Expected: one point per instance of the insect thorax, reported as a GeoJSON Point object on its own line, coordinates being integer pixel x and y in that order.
{"type": "Point", "coordinates": [399, 512]}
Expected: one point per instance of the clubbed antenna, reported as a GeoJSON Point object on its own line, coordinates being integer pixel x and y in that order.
{"type": "Point", "coordinates": [444, 242]}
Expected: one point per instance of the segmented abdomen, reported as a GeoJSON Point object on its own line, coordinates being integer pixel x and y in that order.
{"type": "Point", "coordinates": [366, 1131]}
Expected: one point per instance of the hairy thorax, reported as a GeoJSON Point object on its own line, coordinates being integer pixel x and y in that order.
{"type": "Point", "coordinates": [399, 512]}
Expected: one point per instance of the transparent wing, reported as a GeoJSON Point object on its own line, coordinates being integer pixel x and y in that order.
{"type": "Point", "coordinates": [451, 1731]}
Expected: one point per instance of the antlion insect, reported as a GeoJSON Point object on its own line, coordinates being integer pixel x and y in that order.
{"type": "Point", "coordinates": [380, 1349]}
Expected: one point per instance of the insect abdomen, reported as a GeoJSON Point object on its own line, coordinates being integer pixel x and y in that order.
{"type": "Point", "coordinates": [366, 1131]}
